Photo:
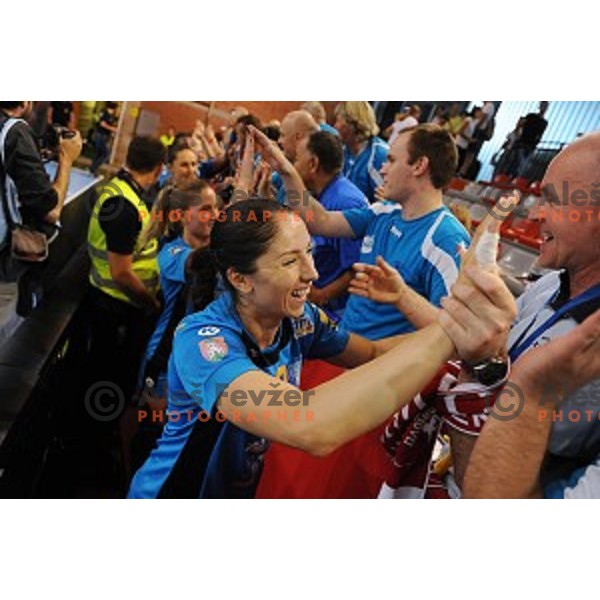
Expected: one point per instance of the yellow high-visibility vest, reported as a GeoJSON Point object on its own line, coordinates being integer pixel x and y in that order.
{"type": "Point", "coordinates": [145, 264]}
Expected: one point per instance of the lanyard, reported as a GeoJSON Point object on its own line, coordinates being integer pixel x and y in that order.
{"type": "Point", "coordinates": [591, 294]}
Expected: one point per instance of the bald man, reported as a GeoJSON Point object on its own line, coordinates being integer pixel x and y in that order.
{"type": "Point", "coordinates": [317, 110]}
{"type": "Point", "coordinates": [552, 447]}
{"type": "Point", "coordinates": [296, 126]}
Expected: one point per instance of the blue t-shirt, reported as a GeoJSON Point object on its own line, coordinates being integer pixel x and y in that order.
{"type": "Point", "coordinates": [423, 250]}
{"type": "Point", "coordinates": [211, 349]}
{"type": "Point", "coordinates": [335, 256]}
{"type": "Point", "coordinates": [171, 262]}
{"type": "Point", "coordinates": [363, 169]}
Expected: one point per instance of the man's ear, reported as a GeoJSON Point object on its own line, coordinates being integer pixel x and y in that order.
{"type": "Point", "coordinates": [314, 163]}
{"type": "Point", "coordinates": [240, 282]}
{"type": "Point", "coordinates": [421, 166]}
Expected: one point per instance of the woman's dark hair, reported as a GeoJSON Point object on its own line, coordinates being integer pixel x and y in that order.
{"type": "Point", "coordinates": [240, 236]}
{"type": "Point", "coordinates": [201, 279]}
{"type": "Point", "coordinates": [175, 148]}
{"type": "Point", "coordinates": [247, 120]}
{"type": "Point", "coordinates": [168, 212]}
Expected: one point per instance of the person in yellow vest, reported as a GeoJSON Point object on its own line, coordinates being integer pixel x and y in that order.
{"type": "Point", "coordinates": [124, 274]}
{"type": "Point", "coordinates": [168, 138]}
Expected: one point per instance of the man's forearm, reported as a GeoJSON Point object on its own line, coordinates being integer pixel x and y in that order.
{"type": "Point", "coordinates": [508, 455]}
{"type": "Point", "coordinates": [299, 199]}
{"type": "Point", "coordinates": [61, 184]}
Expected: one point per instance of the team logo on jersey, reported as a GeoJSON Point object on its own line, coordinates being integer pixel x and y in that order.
{"type": "Point", "coordinates": [208, 331]}
{"type": "Point", "coordinates": [324, 318]}
{"type": "Point", "coordinates": [303, 326]}
{"type": "Point", "coordinates": [395, 231]}
{"type": "Point", "coordinates": [214, 349]}
{"type": "Point", "coordinates": [367, 245]}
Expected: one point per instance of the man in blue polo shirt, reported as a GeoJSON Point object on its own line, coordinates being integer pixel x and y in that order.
{"type": "Point", "coordinates": [413, 231]}
{"type": "Point", "coordinates": [364, 152]}
{"type": "Point", "coordinates": [319, 160]}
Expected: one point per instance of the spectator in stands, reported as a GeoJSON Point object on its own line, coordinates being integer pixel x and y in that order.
{"type": "Point", "coordinates": [317, 111]}
{"type": "Point", "coordinates": [455, 120]}
{"type": "Point", "coordinates": [253, 338]}
{"type": "Point", "coordinates": [319, 161]}
{"type": "Point", "coordinates": [466, 140]}
{"type": "Point", "coordinates": [539, 450]}
{"type": "Point", "coordinates": [168, 138]}
{"type": "Point", "coordinates": [205, 142]}
{"type": "Point", "coordinates": [364, 152]}
{"type": "Point", "coordinates": [61, 113]}
{"type": "Point", "coordinates": [508, 458]}
{"type": "Point", "coordinates": [440, 117]}
{"type": "Point", "coordinates": [296, 126]}
{"type": "Point", "coordinates": [105, 129]}
{"type": "Point", "coordinates": [38, 202]}
{"type": "Point", "coordinates": [531, 127]}
{"type": "Point", "coordinates": [408, 120]}
{"type": "Point", "coordinates": [550, 308]}
{"type": "Point", "coordinates": [483, 132]}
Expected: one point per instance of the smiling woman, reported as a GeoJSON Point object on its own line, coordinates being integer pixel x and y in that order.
{"type": "Point", "coordinates": [254, 338]}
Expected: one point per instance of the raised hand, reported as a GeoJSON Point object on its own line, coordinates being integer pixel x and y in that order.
{"type": "Point", "coordinates": [245, 171]}
{"type": "Point", "coordinates": [484, 246]}
{"type": "Point", "coordinates": [270, 151]}
{"type": "Point", "coordinates": [262, 180]}
{"type": "Point", "coordinates": [381, 282]}
{"type": "Point", "coordinates": [478, 315]}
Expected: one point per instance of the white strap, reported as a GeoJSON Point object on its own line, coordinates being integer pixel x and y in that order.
{"type": "Point", "coordinates": [10, 190]}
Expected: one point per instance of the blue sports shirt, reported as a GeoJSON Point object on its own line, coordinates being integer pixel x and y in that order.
{"type": "Point", "coordinates": [423, 250]}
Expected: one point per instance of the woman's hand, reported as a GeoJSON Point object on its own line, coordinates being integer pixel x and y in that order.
{"type": "Point", "coordinates": [478, 315]}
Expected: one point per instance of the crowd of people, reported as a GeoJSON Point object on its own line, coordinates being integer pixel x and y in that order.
{"type": "Point", "coordinates": [294, 312]}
